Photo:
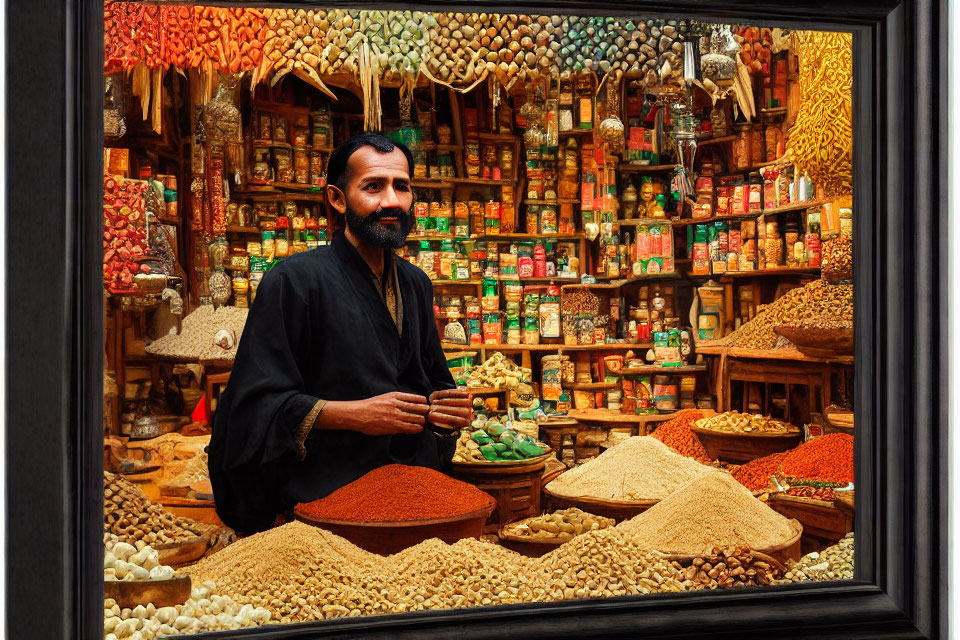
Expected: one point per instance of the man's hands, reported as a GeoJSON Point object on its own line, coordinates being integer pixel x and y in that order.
{"type": "Point", "coordinates": [450, 409]}
{"type": "Point", "coordinates": [389, 413]}
{"type": "Point", "coordinates": [398, 412]}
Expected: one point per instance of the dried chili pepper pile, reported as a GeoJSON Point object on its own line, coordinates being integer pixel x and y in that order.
{"type": "Point", "coordinates": [755, 475]}
{"type": "Point", "coordinates": [124, 236]}
{"type": "Point", "coordinates": [398, 492]}
{"type": "Point", "coordinates": [828, 458]}
{"type": "Point", "coordinates": [676, 434]}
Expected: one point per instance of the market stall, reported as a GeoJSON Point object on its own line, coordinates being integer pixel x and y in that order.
{"type": "Point", "coordinates": [639, 237]}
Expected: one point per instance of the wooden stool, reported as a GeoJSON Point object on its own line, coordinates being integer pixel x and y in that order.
{"type": "Point", "coordinates": [214, 381]}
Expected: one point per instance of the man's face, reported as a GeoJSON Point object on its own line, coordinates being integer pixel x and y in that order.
{"type": "Point", "coordinates": [378, 198]}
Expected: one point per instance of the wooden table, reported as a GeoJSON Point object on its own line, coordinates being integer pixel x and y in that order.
{"type": "Point", "coordinates": [788, 367]}
{"type": "Point", "coordinates": [608, 419]}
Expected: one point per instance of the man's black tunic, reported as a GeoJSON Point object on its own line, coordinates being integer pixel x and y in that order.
{"type": "Point", "coordinates": [319, 329]}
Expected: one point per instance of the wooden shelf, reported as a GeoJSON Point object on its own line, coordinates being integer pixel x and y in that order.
{"type": "Point", "coordinates": [432, 237]}
{"type": "Point", "coordinates": [506, 237]}
{"type": "Point", "coordinates": [687, 222]}
{"type": "Point", "coordinates": [761, 273]}
{"type": "Point", "coordinates": [542, 202]}
{"type": "Point", "coordinates": [645, 168]}
{"type": "Point", "coordinates": [295, 186]}
{"type": "Point", "coordinates": [272, 143]}
{"type": "Point", "coordinates": [498, 137]}
{"type": "Point", "coordinates": [471, 283]}
{"type": "Point", "coordinates": [605, 415]}
{"type": "Point", "coordinates": [619, 346]}
{"type": "Point", "coordinates": [796, 206]}
{"type": "Point", "coordinates": [432, 183]}
{"type": "Point", "coordinates": [593, 386]}
{"type": "Point", "coordinates": [255, 230]}
{"type": "Point", "coordinates": [646, 277]}
{"type": "Point", "coordinates": [576, 132]}
{"type": "Point", "coordinates": [482, 182]}
{"type": "Point", "coordinates": [270, 194]}
{"type": "Point", "coordinates": [768, 354]}
{"type": "Point", "coordinates": [536, 280]}
{"type": "Point", "coordinates": [709, 141]}
{"type": "Point", "coordinates": [635, 222]}
{"type": "Point", "coordinates": [450, 147]}
{"type": "Point", "coordinates": [653, 368]}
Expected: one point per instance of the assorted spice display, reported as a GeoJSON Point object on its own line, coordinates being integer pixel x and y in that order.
{"type": "Point", "coordinates": [712, 510]}
{"type": "Point", "coordinates": [639, 468]}
{"type": "Point", "coordinates": [398, 492]}
{"type": "Point", "coordinates": [676, 434]}
{"type": "Point", "coordinates": [736, 422]}
{"type": "Point", "coordinates": [588, 228]}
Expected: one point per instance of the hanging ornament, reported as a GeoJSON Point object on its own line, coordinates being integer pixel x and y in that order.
{"type": "Point", "coordinates": [220, 288]}
{"type": "Point", "coordinates": [720, 66]}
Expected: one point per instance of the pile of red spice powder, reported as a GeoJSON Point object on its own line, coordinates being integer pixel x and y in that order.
{"type": "Point", "coordinates": [828, 458]}
{"type": "Point", "coordinates": [676, 434]}
{"type": "Point", "coordinates": [398, 492]}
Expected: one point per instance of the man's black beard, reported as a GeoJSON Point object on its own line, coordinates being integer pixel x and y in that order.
{"type": "Point", "coordinates": [372, 231]}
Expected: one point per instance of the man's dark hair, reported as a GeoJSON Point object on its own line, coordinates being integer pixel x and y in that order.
{"type": "Point", "coordinates": [338, 166]}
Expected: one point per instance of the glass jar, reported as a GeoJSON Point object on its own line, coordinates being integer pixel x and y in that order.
{"type": "Point", "coordinates": [280, 129]}
{"type": "Point", "coordinates": [742, 148]}
{"type": "Point", "coordinates": [265, 125]}
{"type": "Point", "coordinates": [261, 164]}
{"type": "Point", "coordinates": [283, 162]}
{"type": "Point", "coordinates": [317, 176]}
{"type": "Point", "coordinates": [301, 165]}
{"type": "Point", "coordinates": [219, 250]}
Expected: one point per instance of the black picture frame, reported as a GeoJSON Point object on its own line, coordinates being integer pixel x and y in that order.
{"type": "Point", "coordinates": [55, 345]}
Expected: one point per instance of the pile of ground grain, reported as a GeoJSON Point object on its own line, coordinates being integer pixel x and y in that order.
{"type": "Point", "coordinates": [713, 510]}
{"type": "Point", "coordinates": [639, 468]}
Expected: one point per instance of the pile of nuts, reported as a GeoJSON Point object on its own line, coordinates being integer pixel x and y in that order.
{"type": "Point", "coordinates": [133, 518]}
{"type": "Point", "coordinates": [197, 333]}
{"type": "Point", "coordinates": [736, 422]}
{"type": "Point", "coordinates": [833, 563]}
{"type": "Point", "coordinates": [734, 567]}
{"type": "Point", "coordinates": [837, 265]}
{"type": "Point", "coordinates": [398, 40]}
{"type": "Point", "coordinates": [122, 561]}
{"type": "Point", "coordinates": [293, 40]}
{"type": "Point", "coordinates": [560, 525]}
{"type": "Point", "coordinates": [498, 371]}
{"type": "Point", "coordinates": [204, 611]}
{"type": "Point", "coordinates": [813, 302]}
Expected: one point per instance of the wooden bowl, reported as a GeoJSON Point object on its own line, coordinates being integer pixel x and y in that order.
{"type": "Point", "coordinates": [525, 545]}
{"type": "Point", "coordinates": [527, 465]}
{"type": "Point", "coordinates": [823, 522]}
{"type": "Point", "coordinates": [819, 342]}
{"type": "Point", "coordinates": [181, 554]}
{"type": "Point", "coordinates": [390, 537]}
{"type": "Point", "coordinates": [619, 510]}
{"type": "Point", "coordinates": [744, 447]}
{"type": "Point", "coordinates": [788, 550]}
{"type": "Point", "coordinates": [162, 593]}
{"type": "Point", "coordinates": [838, 420]}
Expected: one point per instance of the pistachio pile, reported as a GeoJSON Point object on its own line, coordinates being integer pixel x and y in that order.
{"type": "Point", "coordinates": [815, 301]}
{"type": "Point", "coordinates": [833, 563]}
{"type": "Point", "coordinates": [560, 525]}
{"type": "Point", "coordinates": [133, 518]}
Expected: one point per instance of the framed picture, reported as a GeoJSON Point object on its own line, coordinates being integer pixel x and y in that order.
{"type": "Point", "coordinates": [709, 120]}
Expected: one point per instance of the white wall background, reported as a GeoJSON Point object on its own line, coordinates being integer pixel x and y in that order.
{"type": "Point", "coordinates": [953, 308]}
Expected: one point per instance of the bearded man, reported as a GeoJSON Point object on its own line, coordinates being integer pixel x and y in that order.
{"type": "Point", "coordinates": [339, 369]}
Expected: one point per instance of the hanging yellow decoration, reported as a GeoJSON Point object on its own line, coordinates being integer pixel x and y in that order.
{"type": "Point", "coordinates": [821, 139]}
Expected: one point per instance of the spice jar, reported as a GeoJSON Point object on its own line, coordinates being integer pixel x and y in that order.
{"type": "Point", "coordinates": [283, 163]}
{"type": "Point", "coordinates": [280, 132]}
{"type": "Point", "coordinates": [261, 164]}
{"type": "Point", "coordinates": [317, 176]}
{"type": "Point", "coordinates": [301, 165]}
{"type": "Point", "coordinates": [265, 128]}
{"type": "Point", "coordinates": [742, 148]}
{"type": "Point", "coordinates": [443, 134]}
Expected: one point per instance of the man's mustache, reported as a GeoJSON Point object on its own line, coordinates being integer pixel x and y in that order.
{"type": "Point", "coordinates": [392, 212]}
